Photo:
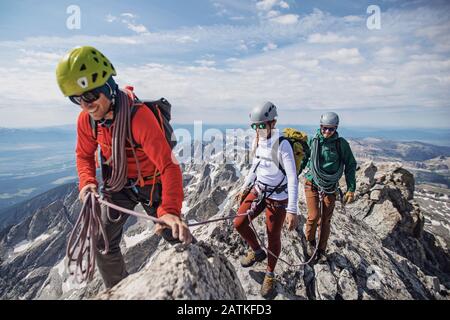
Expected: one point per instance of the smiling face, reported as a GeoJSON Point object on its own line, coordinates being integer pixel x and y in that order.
{"type": "Point", "coordinates": [327, 131]}
{"type": "Point", "coordinates": [98, 109]}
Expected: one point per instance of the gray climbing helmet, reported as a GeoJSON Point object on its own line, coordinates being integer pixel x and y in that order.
{"type": "Point", "coordinates": [264, 113]}
{"type": "Point", "coordinates": [329, 119]}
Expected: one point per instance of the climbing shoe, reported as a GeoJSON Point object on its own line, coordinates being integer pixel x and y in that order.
{"type": "Point", "coordinates": [251, 258]}
{"type": "Point", "coordinates": [268, 287]}
{"type": "Point", "coordinates": [310, 247]}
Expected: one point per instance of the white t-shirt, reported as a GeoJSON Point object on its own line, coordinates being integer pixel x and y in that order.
{"type": "Point", "coordinates": [268, 172]}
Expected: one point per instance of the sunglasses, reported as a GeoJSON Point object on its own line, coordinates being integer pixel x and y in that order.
{"type": "Point", "coordinates": [258, 126]}
{"type": "Point", "coordinates": [331, 129]}
{"type": "Point", "coordinates": [87, 97]}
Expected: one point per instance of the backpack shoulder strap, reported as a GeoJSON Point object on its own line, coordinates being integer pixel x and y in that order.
{"type": "Point", "coordinates": [338, 149]}
{"type": "Point", "coordinates": [134, 108]}
{"type": "Point", "coordinates": [280, 140]}
{"type": "Point", "coordinates": [94, 127]}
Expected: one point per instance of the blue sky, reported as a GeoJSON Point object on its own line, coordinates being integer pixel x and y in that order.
{"type": "Point", "coordinates": [215, 59]}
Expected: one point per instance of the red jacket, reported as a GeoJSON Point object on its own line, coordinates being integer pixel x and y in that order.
{"type": "Point", "coordinates": [155, 154]}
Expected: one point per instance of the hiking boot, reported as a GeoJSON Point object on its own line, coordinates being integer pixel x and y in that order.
{"type": "Point", "coordinates": [310, 247]}
{"type": "Point", "coordinates": [268, 287]}
{"type": "Point", "coordinates": [321, 256]}
{"type": "Point", "coordinates": [251, 258]}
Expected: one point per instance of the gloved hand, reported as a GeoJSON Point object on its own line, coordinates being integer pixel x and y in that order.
{"type": "Point", "coordinates": [349, 197]}
{"type": "Point", "coordinates": [292, 221]}
{"type": "Point", "coordinates": [87, 188]}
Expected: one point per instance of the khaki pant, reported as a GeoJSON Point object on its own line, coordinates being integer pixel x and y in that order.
{"type": "Point", "coordinates": [314, 221]}
{"type": "Point", "coordinates": [112, 265]}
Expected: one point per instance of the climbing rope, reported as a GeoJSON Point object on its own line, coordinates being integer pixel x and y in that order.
{"type": "Point", "coordinates": [121, 133]}
{"type": "Point", "coordinates": [88, 230]}
{"type": "Point", "coordinates": [327, 182]}
{"type": "Point", "coordinates": [261, 242]}
{"type": "Point", "coordinates": [82, 244]}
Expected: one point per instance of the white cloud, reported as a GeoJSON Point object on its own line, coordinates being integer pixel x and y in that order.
{"type": "Point", "coordinates": [206, 63]}
{"type": "Point", "coordinates": [377, 80]}
{"type": "Point", "coordinates": [186, 39]}
{"type": "Point", "coordinates": [128, 15]}
{"type": "Point", "coordinates": [242, 46]}
{"type": "Point", "coordinates": [329, 37]}
{"type": "Point", "coordinates": [138, 28]}
{"type": "Point", "coordinates": [391, 68]}
{"type": "Point", "coordinates": [38, 58]}
{"type": "Point", "coordinates": [389, 54]}
{"type": "Point", "coordinates": [273, 14]}
{"type": "Point", "coordinates": [20, 193]}
{"type": "Point", "coordinates": [286, 19]}
{"type": "Point", "coordinates": [353, 19]}
{"type": "Point", "coordinates": [266, 11]}
{"type": "Point", "coordinates": [305, 63]}
{"type": "Point", "coordinates": [266, 5]}
{"type": "Point", "coordinates": [284, 5]}
{"type": "Point", "coordinates": [110, 18]}
{"type": "Point", "coordinates": [129, 19]}
{"type": "Point", "coordinates": [270, 46]}
{"type": "Point", "coordinates": [344, 56]}
{"type": "Point", "coordinates": [64, 180]}
{"type": "Point", "coordinates": [221, 10]}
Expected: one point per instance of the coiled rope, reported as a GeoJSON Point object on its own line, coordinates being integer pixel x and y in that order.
{"type": "Point", "coordinates": [327, 182]}
{"type": "Point", "coordinates": [82, 244]}
{"type": "Point", "coordinates": [118, 161]}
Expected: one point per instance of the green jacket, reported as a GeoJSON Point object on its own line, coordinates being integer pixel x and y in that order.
{"type": "Point", "coordinates": [329, 158]}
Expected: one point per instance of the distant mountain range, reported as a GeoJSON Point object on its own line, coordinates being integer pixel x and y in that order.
{"type": "Point", "coordinates": [391, 243]}
{"type": "Point", "coordinates": [33, 161]}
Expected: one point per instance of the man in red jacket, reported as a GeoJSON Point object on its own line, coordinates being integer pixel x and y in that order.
{"type": "Point", "coordinates": [85, 76]}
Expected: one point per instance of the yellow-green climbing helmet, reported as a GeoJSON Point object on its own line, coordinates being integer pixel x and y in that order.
{"type": "Point", "coordinates": [83, 69]}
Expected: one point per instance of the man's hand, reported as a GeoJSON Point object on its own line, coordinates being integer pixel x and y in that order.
{"type": "Point", "coordinates": [179, 228]}
{"type": "Point", "coordinates": [87, 188]}
{"type": "Point", "coordinates": [292, 221]}
{"type": "Point", "coordinates": [349, 197]}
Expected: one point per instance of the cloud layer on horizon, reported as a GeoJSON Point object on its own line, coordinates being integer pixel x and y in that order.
{"type": "Point", "coordinates": [306, 65]}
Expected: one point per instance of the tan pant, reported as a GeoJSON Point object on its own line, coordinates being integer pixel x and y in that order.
{"type": "Point", "coordinates": [314, 220]}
